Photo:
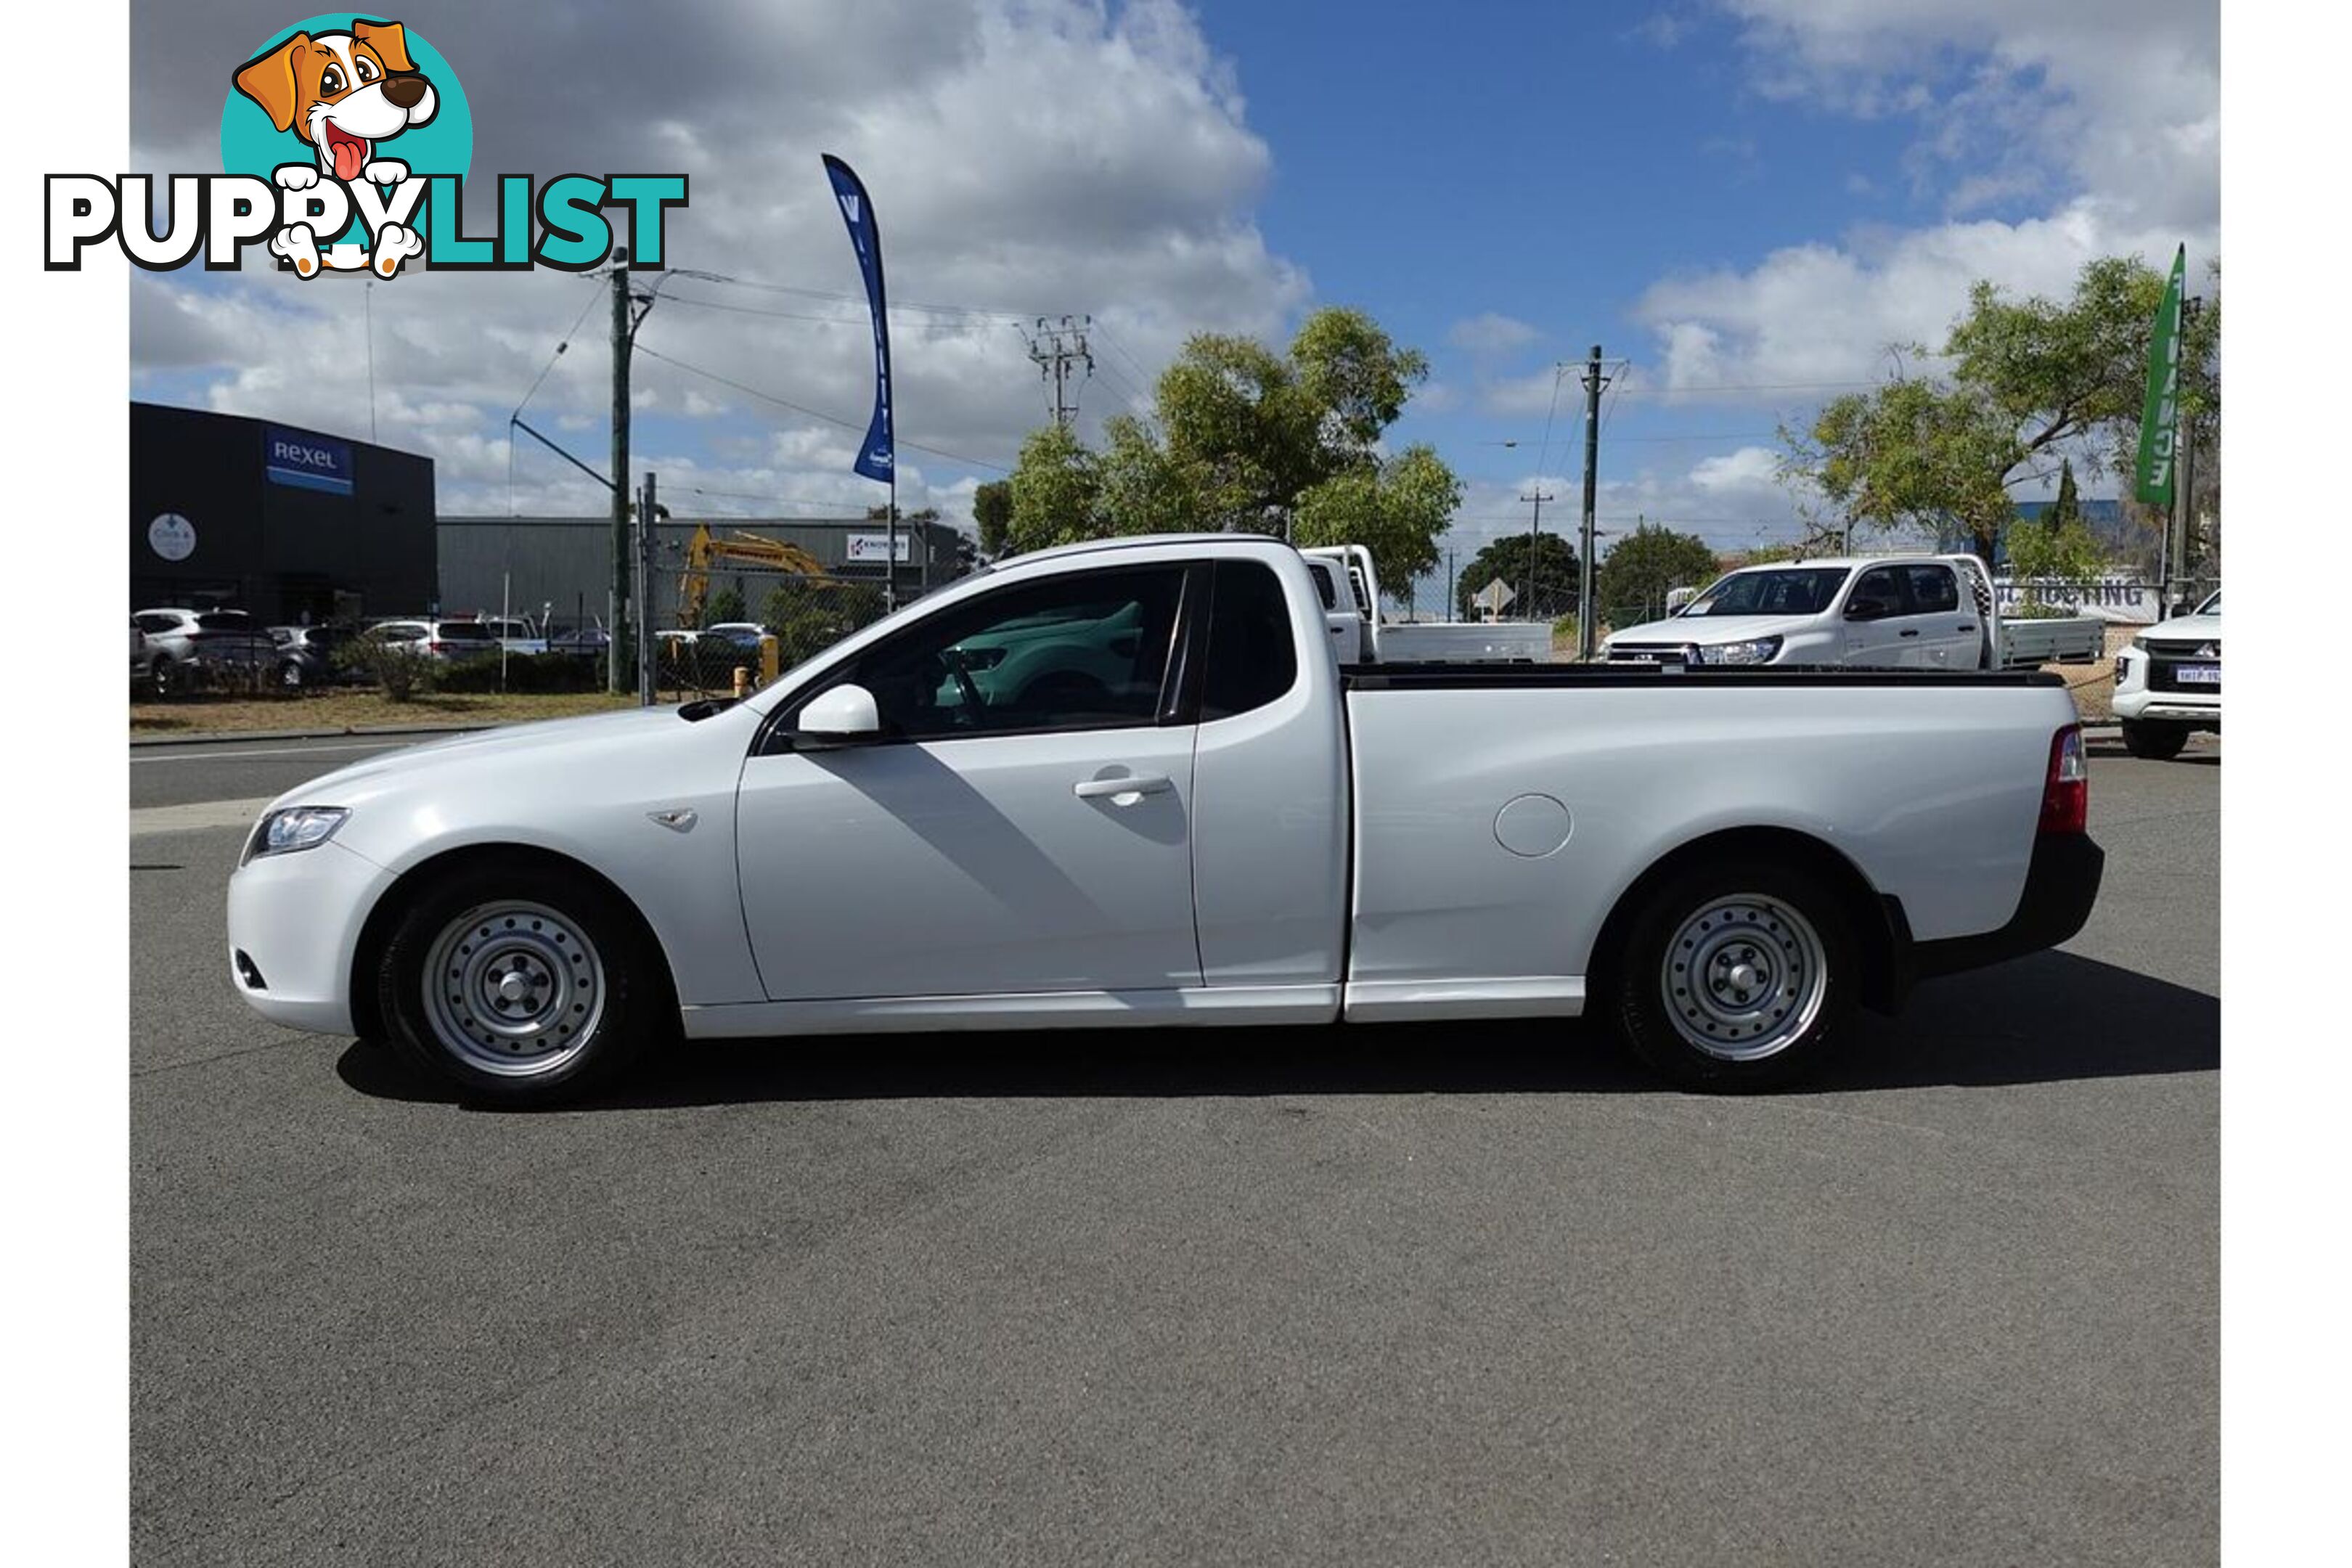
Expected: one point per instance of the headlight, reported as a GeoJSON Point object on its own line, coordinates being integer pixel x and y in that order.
{"type": "Point", "coordinates": [2140, 642]}
{"type": "Point", "coordinates": [1756, 650]}
{"type": "Point", "coordinates": [284, 831]}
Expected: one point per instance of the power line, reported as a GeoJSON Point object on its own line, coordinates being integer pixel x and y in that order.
{"type": "Point", "coordinates": [813, 413]}
{"type": "Point", "coordinates": [1014, 316]}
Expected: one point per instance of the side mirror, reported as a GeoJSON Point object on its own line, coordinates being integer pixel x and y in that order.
{"type": "Point", "coordinates": [845, 716]}
{"type": "Point", "coordinates": [1866, 610]}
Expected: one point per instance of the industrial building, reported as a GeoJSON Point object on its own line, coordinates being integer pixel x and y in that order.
{"type": "Point", "coordinates": [291, 524]}
{"type": "Point", "coordinates": [562, 567]}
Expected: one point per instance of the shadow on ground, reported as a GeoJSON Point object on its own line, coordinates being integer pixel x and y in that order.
{"type": "Point", "coordinates": [2046, 1018]}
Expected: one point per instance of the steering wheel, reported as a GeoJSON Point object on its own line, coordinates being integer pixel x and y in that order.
{"type": "Point", "coordinates": [974, 703]}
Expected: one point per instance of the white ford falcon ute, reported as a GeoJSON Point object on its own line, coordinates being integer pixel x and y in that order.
{"type": "Point", "coordinates": [1127, 784]}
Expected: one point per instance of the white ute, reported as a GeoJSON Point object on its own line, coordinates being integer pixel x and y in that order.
{"type": "Point", "coordinates": [1127, 784]}
{"type": "Point", "coordinates": [1905, 612]}
{"type": "Point", "coordinates": [1350, 590]}
{"type": "Point", "coordinates": [2169, 682]}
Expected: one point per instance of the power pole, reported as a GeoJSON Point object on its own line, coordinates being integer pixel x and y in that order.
{"type": "Point", "coordinates": [1450, 609]}
{"type": "Point", "coordinates": [620, 470]}
{"type": "Point", "coordinates": [1535, 519]}
{"type": "Point", "coordinates": [649, 513]}
{"type": "Point", "coordinates": [2184, 498]}
{"type": "Point", "coordinates": [1055, 348]}
{"type": "Point", "coordinates": [1593, 382]}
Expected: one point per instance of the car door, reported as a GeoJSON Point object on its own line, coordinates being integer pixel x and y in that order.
{"type": "Point", "coordinates": [1875, 619]}
{"type": "Point", "coordinates": [1022, 824]}
{"type": "Point", "coordinates": [1939, 616]}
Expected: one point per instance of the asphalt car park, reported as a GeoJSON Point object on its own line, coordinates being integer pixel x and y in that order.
{"type": "Point", "coordinates": [1409, 1294]}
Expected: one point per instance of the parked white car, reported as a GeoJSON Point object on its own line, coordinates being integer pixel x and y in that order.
{"type": "Point", "coordinates": [1350, 587]}
{"type": "Point", "coordinates": [1127, 784]}
{"type": "Point", "coordinates": [442, 638]}
{"type": "Point", "coordinates": [2169, 682]}
{"type": "Point", "coordinates": [1903, 612]}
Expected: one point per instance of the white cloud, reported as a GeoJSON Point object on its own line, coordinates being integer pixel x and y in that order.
{"type": "Point", "coordinates": [1027, 157]}
{"type": "Point", "coordinates": [1490, 333]}
{"type": "Point", "coordinates": [2103, 112]}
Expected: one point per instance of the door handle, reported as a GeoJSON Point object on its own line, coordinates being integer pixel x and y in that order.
{"type": "Point", "coordinates": [1912, 633]}
{"type": "Point", "coordinates": [1122, 792]}
{"type": "Point", "coordinates": [1968, 626]}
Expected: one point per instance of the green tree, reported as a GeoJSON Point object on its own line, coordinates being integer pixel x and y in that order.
{"type": "Point", "coordinates": [1242, 437]}
{"type": "Point", "coordinates": [1641, 567]}
{"type": "Point", "coordinates": [1055, 486]}
{"type": "Point", "coordinates": [2030, 379]}
{"type": "Point", "coordinates": [1555, 579]}
{"type": "Point", "coordinates": [2052, 553]}
{"type": "Point", "coordinates": [992, 514]}
{"type": "Point", "coordinates": [726, 604]}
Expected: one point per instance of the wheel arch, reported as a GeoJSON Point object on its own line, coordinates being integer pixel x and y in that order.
{"type": "Point", "coordinates": [377, 930]}
{"type": "Point", "coordinates": [1878, 920]}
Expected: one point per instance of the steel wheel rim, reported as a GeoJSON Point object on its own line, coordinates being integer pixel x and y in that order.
{"type": "Point", "coordinates": [513, 988]}
{"type": "Point", "coordinates": [1744, 977]}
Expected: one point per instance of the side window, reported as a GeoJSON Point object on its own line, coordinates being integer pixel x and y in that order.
{"type": "Point", "coordinates": [1883, 584]}
{"type": "Point", "coordinates": [155, 624]}
{"type": "Point", "coordinates": [1321, 573]}
{"type": "Point", "coordinates": [1253, 653]}
{"type": "Point", "coordinates": [1933, 592]}
{"type": "Point", "coordinates": [1086, 651]}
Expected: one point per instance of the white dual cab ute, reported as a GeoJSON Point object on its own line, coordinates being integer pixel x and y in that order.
{"type": "Point", "coordinates": [1903, 612]}
{"type": "Point", "coordinates": [2169, 682]}
{"type": "Point", "coordinates": [1127, 784]}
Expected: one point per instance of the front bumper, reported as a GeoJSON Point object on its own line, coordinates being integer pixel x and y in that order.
{"type": "Point", "coordinates": [2139, 705]}
{"type": "Point", "coordinates": [295, 922]}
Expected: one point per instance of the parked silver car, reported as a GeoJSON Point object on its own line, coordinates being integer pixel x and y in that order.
{"type": "Point", "coordinates": [184, 644]}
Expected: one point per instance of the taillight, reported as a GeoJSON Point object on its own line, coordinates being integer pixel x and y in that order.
{"type": "Point", "coordinates": [2066, 792]}
{"type": "Point", "coordinates": [436, 648]}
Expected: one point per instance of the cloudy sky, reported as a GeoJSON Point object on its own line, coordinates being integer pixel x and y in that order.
{"type": "Point", "coordinates": [1743, 202]}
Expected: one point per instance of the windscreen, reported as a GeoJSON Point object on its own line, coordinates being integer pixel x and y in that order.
{"type": "Point", "coordinates": [463, 631]}
{"type": "Point", "coordinates": [224, 621]}
{"type": "Point", "coordinates": [1791, 591]}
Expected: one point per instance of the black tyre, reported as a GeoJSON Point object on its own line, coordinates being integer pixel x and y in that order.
{"type": "Point", "coordinates": [290, 675]}
{"type": "Point", "coordinates": [2157, 743]}
{"type": "Point", "coordinates": [162, 678]}
{"type": "Point", "coordinates": [1738, 975]}
{"type": "Point", "coordinates": [522, 985]}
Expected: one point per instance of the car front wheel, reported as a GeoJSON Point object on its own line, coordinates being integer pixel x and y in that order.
{"type": "Point", "coordinates": [1738, 975]}
{"type": "Point", "coordinates": [523, 985]}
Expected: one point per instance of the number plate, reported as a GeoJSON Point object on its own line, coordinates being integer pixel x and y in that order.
{"type": "Point", "coordinates": [2199, 674]}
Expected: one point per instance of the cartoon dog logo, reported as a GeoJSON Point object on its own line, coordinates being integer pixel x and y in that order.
{"type": "Point", "coordinates": [345, 94]}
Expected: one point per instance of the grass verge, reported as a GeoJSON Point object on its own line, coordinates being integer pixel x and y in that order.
{"type": "Point", "coordinates": [204, 715]}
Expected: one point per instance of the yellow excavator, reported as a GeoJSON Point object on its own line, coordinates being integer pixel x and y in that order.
{"type": "Point", "coordinates": [742, 549]}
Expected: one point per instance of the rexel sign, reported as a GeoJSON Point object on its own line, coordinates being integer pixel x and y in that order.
{"type": "Point", "coordinates": [305, 461]}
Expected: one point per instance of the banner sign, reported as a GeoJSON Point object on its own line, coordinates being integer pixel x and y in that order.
{"type": "Point", "coordinates": [2118, 598]}
{"type": "Point", "coordinates": [312, 462]}
{"type": "Point", "coordinates": [875, 547]}
{"type": "Point", "coordinates": [2152, 475]}
{"type": "Point", "coordinates": [876, 458]}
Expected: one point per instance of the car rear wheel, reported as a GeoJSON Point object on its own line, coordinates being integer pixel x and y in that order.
{"type": "Point", "coordinates": [290, 675]}
{"type": "Point", "coordinates": [1738, 975]}
{"type": "Point", "coordinates": [2157, 743]}
{"type": "Point", "coordinates": [522, 984]}
{"type": "Point", "coordinates": [161, 678]}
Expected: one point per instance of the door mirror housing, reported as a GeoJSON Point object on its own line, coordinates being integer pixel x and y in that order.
{"type": "Point", "coordinates": [843, 716]}
{"type": "Point", "coordinates": [1868, 610]}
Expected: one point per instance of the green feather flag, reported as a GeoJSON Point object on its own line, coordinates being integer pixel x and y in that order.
{"type": "Point", "coordinates": [2157, 421]}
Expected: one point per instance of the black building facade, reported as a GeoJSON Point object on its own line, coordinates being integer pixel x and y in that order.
{"type": "Point", "coordinates": [287, 523]}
